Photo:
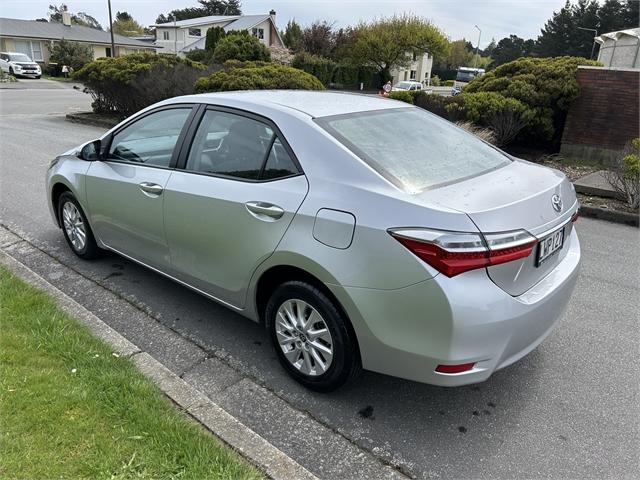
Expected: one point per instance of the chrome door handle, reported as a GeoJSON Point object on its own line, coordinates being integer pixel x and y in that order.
{"type": "Point", "coordinates": [152, 188]}
{"type": "Point", "coordinates": [262, 208]}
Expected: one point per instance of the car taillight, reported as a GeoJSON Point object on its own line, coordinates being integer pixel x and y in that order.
{"type": "Point", "coordinates": [575, 216]}
{"type": "Point", "coordinates": [453, 253]}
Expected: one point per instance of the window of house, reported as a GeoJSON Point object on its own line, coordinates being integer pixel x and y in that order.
{"type": "Point", "coordinates": [415, 57]}
{"type": "Point", "coordinates": [33, 50]}
{"type": "Point", "coordinates": [165, 35]}
{"type": "Point", "coordinates": [413, 75]}
{"type": "Point", "coordinates": [195, 32]}
{"type": "Point", "coordinates": [258, 32]}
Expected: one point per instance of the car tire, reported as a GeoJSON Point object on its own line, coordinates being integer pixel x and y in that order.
{"type": "Point", "coordinates": [302, 350]}
{"type": "Point", "coordinates": [76, 228]}
{"type": "Point", "coordinates": [11, 71]}
{"type": "Point", "coordinates": [37, 77]}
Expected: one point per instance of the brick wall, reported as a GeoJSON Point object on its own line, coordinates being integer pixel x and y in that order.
{"type": "Point", "coordinates": [605, 116]}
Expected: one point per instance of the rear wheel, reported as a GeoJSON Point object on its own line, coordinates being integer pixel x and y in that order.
{"type": "Point", "coordinates": [76, 229]}
{"type": "Point", "coordinates": [311, 337]}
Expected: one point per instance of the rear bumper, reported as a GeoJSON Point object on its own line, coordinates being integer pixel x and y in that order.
{"type": "Point", "coordinates": [408, 332]}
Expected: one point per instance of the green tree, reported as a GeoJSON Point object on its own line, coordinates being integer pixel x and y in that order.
{"type": "Point", "coordinates": [631, 14]}
{"type": "Point", "coordinates": [214, 35]}
{"type": "Point", "coordinates": [459, 56]}
{"type": "Point", "coordinates": [73, 54]}
{"type": "Point", "coordinates": [240, 46]}
{"type": "Point", "coordinates": [124, 24]}
{"type": "Point", "coordinates": [318, 38]}
{"type": "Point", "coordinates": [292, 35]}
{"type": "Point", "coordinates": [511, 48]}
{"type": "Point", "coordinates": [488, 51]}
{"type": "Point", "coordinates": [221, 7]}
{"type": "Point", "coordinates": [80, 18]}
{"type": "Point", "coordinates": [390, 42]}
{"type": "Point", "coordinates": [611, 17]}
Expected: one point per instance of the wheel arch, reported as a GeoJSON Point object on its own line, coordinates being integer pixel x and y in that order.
{"type": "Point", "coordinates": [57, 190]}
{"type": "Point", "coordinates": [276, 275]}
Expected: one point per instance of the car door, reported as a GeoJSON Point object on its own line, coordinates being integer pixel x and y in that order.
{"type": "Point", "coordinates": [125, 190]}
{"type": "Point", "coordinates": [230, 205]}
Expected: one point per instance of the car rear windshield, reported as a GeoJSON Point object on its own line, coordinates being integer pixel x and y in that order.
{"type": "Point", "coordinates": [412, 148]}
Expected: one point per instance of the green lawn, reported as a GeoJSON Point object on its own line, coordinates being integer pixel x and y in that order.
{"type": "Point", "coordinates": [70, 408]}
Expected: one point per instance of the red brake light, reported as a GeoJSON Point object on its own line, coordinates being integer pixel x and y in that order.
{"type": "Point", "coordinates": [463, 367]}
{"type": "Point", "coordinates": [575, 216]}
{"type": "Point", "coordinates": [453, 253]}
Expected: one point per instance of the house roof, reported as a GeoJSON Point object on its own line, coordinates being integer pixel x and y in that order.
{"type": "Point", "coordinates": [192, 22]}
{"type": "Point", "coordinates": [615, 36]}
{"type": "Point", "coordinates": [233, 22]}
{"type": "Point", "coordinates": [12, 27]}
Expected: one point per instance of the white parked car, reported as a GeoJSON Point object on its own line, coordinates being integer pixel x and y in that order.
{"type": "Point", "coordinates": [406, 86]}
{"type": "Point", "coordinates": [19, 64]}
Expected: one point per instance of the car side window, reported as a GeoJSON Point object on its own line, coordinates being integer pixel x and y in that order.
{"type": "Point", "coordinates": [150, 140]}
{"type": "Point", "coordinates": [279, 164]}
{"type": "Point", "coordinates": [229, 144]}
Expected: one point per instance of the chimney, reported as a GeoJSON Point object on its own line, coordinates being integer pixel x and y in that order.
{"type": "Point", "coordinates": [272, 14]}
{"type": "Point", "coordinates": [66, 17]}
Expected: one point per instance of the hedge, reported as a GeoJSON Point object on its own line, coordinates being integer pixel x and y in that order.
{"type": "Point", "coordinates": [126, 84]}
{"type": "Point", "coordinates": [240, 46]}
{"type": "Point", "coordinates": [320, 67]}
{"type": "Point", "coordinates": [257, 76]}
{"type": "Point", "coordinates": [547, 86]}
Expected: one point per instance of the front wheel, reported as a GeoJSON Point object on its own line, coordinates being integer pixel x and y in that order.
{"type": "Point", "coordinates": [311, 337]}
{"type": "Point", "coordinates": [76, 229]}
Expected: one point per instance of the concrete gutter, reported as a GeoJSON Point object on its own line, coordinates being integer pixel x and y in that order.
{"type": "Point", "coordinates": [258, 451]}
{"type": "Point", "coordinates": [615, 216]}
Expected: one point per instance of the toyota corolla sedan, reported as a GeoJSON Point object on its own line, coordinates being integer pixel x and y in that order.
{"type": "Point", "coordinates": [420, 252]}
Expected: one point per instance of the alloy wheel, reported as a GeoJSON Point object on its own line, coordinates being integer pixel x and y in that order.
{"type": "Point", "coordinates": [304, 337]}
{"type": "Point", "coordinates": [74, 226]}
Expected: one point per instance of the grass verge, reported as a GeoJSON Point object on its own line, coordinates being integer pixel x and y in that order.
{"type": "Point", "coordinates": [70, 408]}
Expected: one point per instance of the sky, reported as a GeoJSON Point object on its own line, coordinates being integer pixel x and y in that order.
{"type": "Point", "coordinates": [457, 18]}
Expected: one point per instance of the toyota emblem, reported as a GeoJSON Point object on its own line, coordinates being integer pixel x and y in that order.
{"type": "Point", "coordinates": [556, 201]}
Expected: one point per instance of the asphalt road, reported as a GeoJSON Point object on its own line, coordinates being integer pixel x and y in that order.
{"type": "Point", "coordinates": [568, 410]}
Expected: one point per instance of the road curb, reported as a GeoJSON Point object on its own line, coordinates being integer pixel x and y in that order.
{"type": "Point", "coordinates": [90, 118]}
{"type": "Point", "coordinates": [615, 216]}
{"type": "Point", "coordinates": [257, 450]}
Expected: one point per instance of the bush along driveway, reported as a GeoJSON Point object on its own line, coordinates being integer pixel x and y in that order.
{"type": "Point", "coordinates": [71, 407]}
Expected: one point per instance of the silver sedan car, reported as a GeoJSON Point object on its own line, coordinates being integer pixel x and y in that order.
{"type": "Point", "coordinates": [363, 232]}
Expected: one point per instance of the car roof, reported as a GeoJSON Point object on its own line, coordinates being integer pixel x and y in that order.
{"type": "Point", "coordinates": [312, 103]}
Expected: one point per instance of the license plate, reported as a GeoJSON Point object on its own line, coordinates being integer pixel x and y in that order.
{"type": "Point", "coordinates": [550, 245]}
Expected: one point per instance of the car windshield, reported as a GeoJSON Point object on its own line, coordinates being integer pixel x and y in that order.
{"type": "Point", "coordinates": [19, 57]}
{"type": "Point", "coordinates": [404, 85]}
{"type": "Point", "coordinates": [412, 148]}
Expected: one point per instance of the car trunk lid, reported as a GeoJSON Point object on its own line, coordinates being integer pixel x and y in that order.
{"type": "Point", "coordinates": [518, 196]}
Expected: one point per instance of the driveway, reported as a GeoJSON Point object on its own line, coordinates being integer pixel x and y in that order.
{"type": "Point", "coordinates": [568, 410]}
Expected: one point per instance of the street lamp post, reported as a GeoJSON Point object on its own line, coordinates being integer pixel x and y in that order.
{"type": "Point", "coordinates": [475, 60]}
{"type": "Point", "coordinates": [593, 46]}
{"type": "Point", "coordinates": [113, 46]}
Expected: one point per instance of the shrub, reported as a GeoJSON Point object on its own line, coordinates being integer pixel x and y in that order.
{"type": "Point", "coordinates": [485, 134]}
{"type": "Point", "coordinates": [449, 83]}
{"type": "Point", "coordinates": [200, 55]}
{"type": "Point", "coordinates": [322, 68]}
{"type": "Point", "coordinates": [126, 84]}
{"type": "Point", "coordinates": [435, 81]}
{"type": "Point", "coordinates": [624, 174]}
{"type": "Point", "coordinates": [545, 85]}
{"type": "Point", "coordinates": [450, 108]}
{"type": "Point", "coordinates": [505, 116]}
{"type": "Point", "coordinates": [73, 54]}
{"type": "Point", "coordinates": [240, 46]}
{"type": "Point", "coordinates": [257, 76]}
{"type": "Point", "coordinates": [403, 96]}
{"type": "Point", "coordinates": [214, 35]}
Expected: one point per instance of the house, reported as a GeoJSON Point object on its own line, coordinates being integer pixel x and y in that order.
{"type": "Point", "coordinates": [620, 49]}
{"type": "Point", "coordinates": [419, 70]}
{"type": "Point", "coordinates": [31, 38]}
{"type": "Point", "coordinates": [185, 35]}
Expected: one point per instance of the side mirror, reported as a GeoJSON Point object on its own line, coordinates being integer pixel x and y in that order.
{"type": "Point", "coordinates": [91, 151]}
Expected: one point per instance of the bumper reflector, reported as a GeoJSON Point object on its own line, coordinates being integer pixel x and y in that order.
{"type": "Point", "coordinates": [463, 367]}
